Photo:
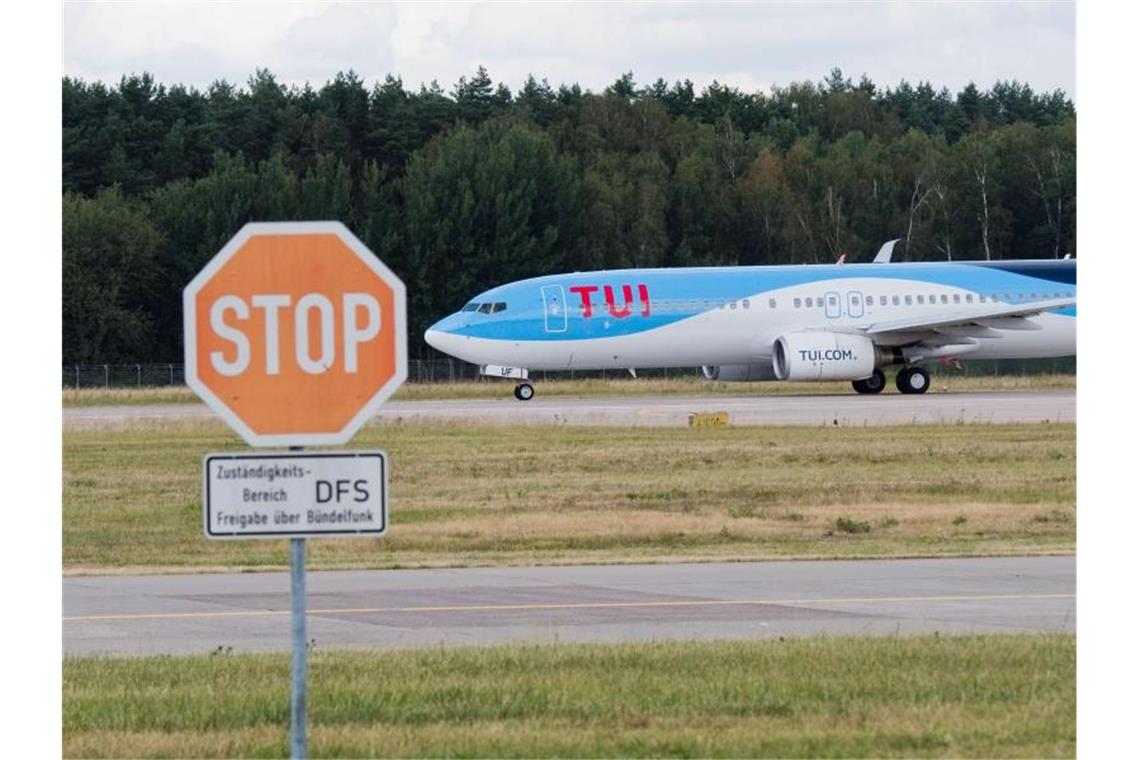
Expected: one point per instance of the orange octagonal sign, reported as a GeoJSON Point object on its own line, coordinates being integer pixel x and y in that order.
{"type": "Point", "coordinates": [295, 333]}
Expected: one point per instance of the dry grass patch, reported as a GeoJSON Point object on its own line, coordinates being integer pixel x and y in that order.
{"type": "Point", "coordinates": [470, 494]}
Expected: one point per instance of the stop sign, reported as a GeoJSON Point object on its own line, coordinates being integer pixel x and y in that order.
{"type": "Point", "coordinates": [295, 333]}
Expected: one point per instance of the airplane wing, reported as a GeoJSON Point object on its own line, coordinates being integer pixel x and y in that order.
{"type": "Point", "coordinates": [1002, 316]}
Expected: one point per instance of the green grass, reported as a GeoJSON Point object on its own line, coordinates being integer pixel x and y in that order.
{"type": "Point", "coordinates": [618, 386]}
{"type": "Point", "coordinates": [926, 696]}
{"type": "Point", "coordinates": [465, 494]}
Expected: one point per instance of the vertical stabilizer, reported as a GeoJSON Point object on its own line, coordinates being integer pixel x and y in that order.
{"type": "Point", "coordinates": [884, 254]}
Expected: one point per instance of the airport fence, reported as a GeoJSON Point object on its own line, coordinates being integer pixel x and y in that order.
{"type": "Point", "coordinates": [419, 371]}
{"type": "Point", "coordinates": [158, 375]}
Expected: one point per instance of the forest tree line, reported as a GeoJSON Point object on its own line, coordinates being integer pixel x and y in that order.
{"type": "Point", "coordinates": [462, 190]}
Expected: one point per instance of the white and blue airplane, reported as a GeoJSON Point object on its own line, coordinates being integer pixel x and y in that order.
{"type": "Point", "coordinates": [744, 323]}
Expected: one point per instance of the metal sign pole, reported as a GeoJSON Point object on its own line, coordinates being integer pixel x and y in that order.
{"type": "Point", "coordinates": [300, 664]}
{"type": "Point", "coordinates": [300, 639]}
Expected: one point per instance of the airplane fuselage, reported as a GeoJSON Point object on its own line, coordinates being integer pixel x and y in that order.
{"type": "Point", "coordinates": [735, 316]}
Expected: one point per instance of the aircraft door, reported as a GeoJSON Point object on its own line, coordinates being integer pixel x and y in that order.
{"type": "Point", "coordinates": [854, 305]}
{"type": "Point", "coordinates": [832, 307]}
{"type": "Point", "coordinates": [554, 308]}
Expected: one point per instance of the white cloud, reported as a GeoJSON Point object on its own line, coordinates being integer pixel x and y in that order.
{"type": "Point", "coordinates": [748, 45]}
{"type": "Point", "coordinates": [337, 37]}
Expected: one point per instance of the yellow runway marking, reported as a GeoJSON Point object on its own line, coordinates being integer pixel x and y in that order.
{"type": "Point", "coordinates": [575, 606]}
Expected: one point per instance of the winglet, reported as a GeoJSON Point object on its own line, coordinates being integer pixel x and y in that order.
{"type": "Point", "coordinates": [884, 254]}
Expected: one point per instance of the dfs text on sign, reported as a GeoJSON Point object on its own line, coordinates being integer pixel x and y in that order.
{"type": "Point", "coordinates": [317, 494]}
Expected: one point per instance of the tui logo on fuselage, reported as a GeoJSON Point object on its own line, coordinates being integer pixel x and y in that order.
{"type": "Point", "coordinates": [585, 292]}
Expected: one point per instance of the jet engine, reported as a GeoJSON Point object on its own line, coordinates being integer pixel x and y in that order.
{"type": "Point", "coordinates": [739, 373]}
{"type": "Point", "coordinates": [825, 356]}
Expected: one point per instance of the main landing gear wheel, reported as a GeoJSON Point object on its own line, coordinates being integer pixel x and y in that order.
{"type": "Point", "coordinates": [524, 391]}
{"type": "Point", "coordinates": [912, 380]}
{"type": "Point", "coordinates": [873, 384]}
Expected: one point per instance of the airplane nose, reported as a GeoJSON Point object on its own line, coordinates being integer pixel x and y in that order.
{"type": "Point", "coordinates": [444, 335]}
{"type": "Point", "coordinates": [434, 338]}
{"type": "Point", "coordinates": [446, 341]}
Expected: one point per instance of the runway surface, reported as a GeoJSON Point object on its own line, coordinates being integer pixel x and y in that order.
{"type": "Point", "coordinates": [852, 409]}
{"type": "Point", "coordinates": [599, 603]}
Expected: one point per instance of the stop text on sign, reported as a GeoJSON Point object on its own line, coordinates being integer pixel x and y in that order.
{"type": "Point", "coordinates": [315, 351]}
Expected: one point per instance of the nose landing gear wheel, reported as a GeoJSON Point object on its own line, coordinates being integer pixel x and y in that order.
{"type": "Point", "coordinates": [912, 380]}
{"type": "Point", "coordinates": [524, 391]}
{"type": "Point", "coordinates": [873, 384]}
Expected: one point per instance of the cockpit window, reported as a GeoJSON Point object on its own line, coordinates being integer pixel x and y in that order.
{"type": "Point", "coordinates": [470, 307]}
{"type": "Point", "coordinates": [500, 306]}
{"type": "Point", "coordinates": [485, 308]}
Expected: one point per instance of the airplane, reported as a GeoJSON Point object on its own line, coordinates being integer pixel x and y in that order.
{"type": "Point", "coordinates": [818, 322]}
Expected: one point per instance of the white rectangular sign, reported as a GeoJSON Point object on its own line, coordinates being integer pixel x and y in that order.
{"type": "Point", "coordinates": [295, 495]}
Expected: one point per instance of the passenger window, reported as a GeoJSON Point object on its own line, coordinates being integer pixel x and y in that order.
{"type": "Point", "coordinates": [920, 299]}
{"type": "Point", "coordinates": [485, 308]}
{"type": "Point", "coordinates": [745, 303]}
{"type": "Point", "coordinates": [732, 305]}
{"type": "Point", "coordinates": [771, 303]}
{"type": "Point", "coordinates": [882, 300]}
{"type": "Point", "coordinates": [819, 302]}
{"type": "Point", "coordinates": [969, 298]}
{"type": "Point", "coordinates": [957, 298]}
{"type": "Point", "coordinates": [945, 299]}
{"type": "Point", "coordinates": [981, 298]}
{"type": "Point", "coordinates": [797, 302]}
{"type": "Point", "coordinates": [907, 299]}
{"type": "Point", "coordinates": [895, 300]}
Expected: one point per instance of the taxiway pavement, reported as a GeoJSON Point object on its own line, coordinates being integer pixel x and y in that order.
{"type": "Point", "coordinates": [842, 410]}
{"type": "Point", "coordinates": [134, 615]}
